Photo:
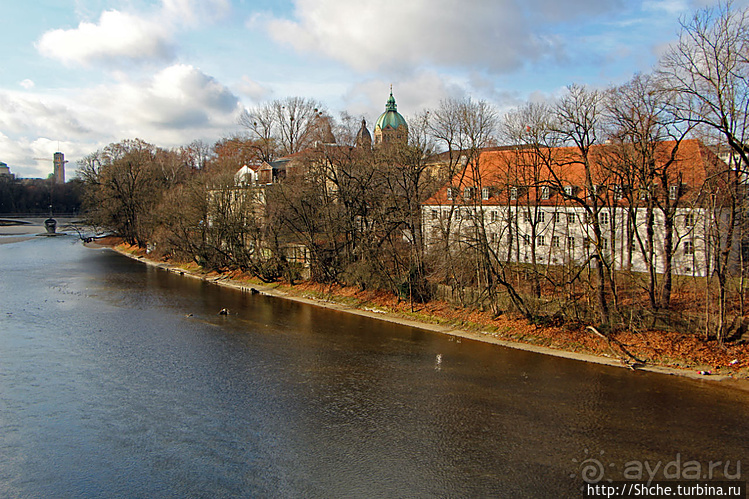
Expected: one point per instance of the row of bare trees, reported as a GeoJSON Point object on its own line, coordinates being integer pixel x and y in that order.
{"type": "Point", "coordinates": [699, 90]}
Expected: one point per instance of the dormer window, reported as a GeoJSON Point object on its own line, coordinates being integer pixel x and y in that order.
{"type": "Point", "coordinates": [618, 192]}
{"type": "Point", "coordinates": [467, 193]}
{"type": "Point", "coordinates": [449, 193]}
{"type": "Point", "coordinates": [673, 192]}
{"type": "Point", "coordinates": [568, 190]}
{"type": "Point", "coordinates": [485, 193]}
{"type": "Point", "coordinates": [513, 193]}
{"type": "Point", "coordinates": [545, 192]}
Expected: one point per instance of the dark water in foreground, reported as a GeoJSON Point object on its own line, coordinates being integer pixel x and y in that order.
{"type": "Point", "coordinates": [109, 389]}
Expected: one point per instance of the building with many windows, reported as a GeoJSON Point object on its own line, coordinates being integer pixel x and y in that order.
{"type": "Point", "coordinates": [551, 206]}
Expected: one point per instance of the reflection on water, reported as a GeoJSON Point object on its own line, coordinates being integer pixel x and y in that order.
{"type": "Point", "coordinates": [121, 380]}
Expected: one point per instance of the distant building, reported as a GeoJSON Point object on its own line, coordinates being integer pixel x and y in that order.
{"type": "Point", "coordinates": [390, 127]}
{"type": "Point", "coordinates": [363, 138]}
{"type": "Point", "coordinates": [5, 171]}
{"type": "Point", "coordinates": [59, 162]}
{"type": "Point", "coordinates": [550, 219]}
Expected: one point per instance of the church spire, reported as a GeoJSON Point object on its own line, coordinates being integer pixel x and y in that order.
{"type": "Point", "coordinates": [391, 105]}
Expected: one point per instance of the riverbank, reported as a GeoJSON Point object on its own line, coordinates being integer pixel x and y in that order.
{"type": "Point", "coordinates": [663, 352]}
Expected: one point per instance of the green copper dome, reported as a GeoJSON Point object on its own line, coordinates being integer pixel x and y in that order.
{"type": "Point", "coordinates": [391, 117]}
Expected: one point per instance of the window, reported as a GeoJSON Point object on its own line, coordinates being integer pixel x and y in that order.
{"type": "Point", "coordinates": [673, 192]}
{"type": "Point", "coordinates": [435, 215]}
{"type": "Point", "coordinates": [688, 248]}
{"type": "Point", "coordinates": [495, 238]}
{"type": "Point", "coordinates": [603, 217]}
{"type": "Point", "coordinates": [555, 242]}
{"type": "Point", "coordinates": [458, 214]}
{"type": "Point", "coordinates": [541, 240]}
{"type": "Point", "coordinates": [570, 218]}
{"type": "Point", "coordinates": [541, 216]}
{"type": "Point", "coordinates": [485, 193]}
{"type": "Point", "coordinates": [467, 193]}
{"type": "Point", "coordinates": [594, 190]}
{"type": "Point", "coordinates": [689, 220]}
{"type": "Point", "coordinates": [545, 192]}
{"type": "Point", "coordinates": [494, 216]}
{"type": "Point", "coordinates": [557, 217]}
{"type": "Point", "coordinates": [618, 191]}
{"type": "Point", "coordinates": [513, 193]}
{"type": "Point", "coordinates": [526, 240]}
{"type": "Point", "coordinates": [569, 190]}
{"type": "Point", "coordinates": [449, 193]}
{"type": "Point", "coordinates": [571, 242]}
{"type": "Point", "coordinates": [604, 244]}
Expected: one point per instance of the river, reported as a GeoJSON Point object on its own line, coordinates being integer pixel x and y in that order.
{"type": "Point", "coordinates": [121, 380]}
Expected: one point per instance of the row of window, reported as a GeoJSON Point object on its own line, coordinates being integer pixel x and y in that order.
{"type": "Point", "coordinates": [558, 217]}
{"type": "Point", "coordinates": [556, 242]}
{"type": "Point", "coordinates": [674, 191]}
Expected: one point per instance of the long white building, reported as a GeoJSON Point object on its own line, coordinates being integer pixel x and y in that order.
{"type": "Point", "coordinates": [532, 205]}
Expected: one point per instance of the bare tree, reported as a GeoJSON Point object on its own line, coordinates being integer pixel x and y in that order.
{"type": "Point", "coordinates": [645, 135]}
{"type": "Point", "coordinates": [286, 126]}
{"type": "Point", "coordinates": [579, 113]}
{"type": "Point", "coordinates": [708, 74]}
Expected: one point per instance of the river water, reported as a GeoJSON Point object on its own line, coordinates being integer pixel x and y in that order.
{"type": "Point", "coordinates": [121, 380]}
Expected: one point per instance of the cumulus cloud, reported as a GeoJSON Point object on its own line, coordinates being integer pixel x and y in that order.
{"type": "Point", "coordinates": [173, 107]}
{"type": "Point", "coordinates": [22, 114]}
{"type": "Point", "coordinates": [126, 36]}
{"type": "Point", "coordinates": [184, 97]}
{"type": "Point", "coordinates": [497, 34]}
{"type": "Point", "coordinates": [117, 35]}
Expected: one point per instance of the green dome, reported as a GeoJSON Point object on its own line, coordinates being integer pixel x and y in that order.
{"type": "Point", "coordinates": [391, 117]}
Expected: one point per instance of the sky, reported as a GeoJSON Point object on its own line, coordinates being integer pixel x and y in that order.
{"type": "Point", "coordinates": [77, 75]}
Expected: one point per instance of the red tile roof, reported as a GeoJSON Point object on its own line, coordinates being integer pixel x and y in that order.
{"type": "Point", "coordinates": [527, 169]}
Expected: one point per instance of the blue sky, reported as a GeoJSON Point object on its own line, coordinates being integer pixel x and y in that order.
{"type": "Point", "coordinates": [77, 75]}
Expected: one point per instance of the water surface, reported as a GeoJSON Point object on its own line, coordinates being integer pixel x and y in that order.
{"type": "Point", "coordinates": [121, 380]}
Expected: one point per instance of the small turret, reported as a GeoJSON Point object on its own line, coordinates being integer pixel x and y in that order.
{"type": "Point", "coordinates": [363, 138]}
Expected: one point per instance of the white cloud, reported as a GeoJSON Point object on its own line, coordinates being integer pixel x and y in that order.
{"type": "Point", "coordinates": [27, 84]}
{"type": "Point", "coordinates": [173, 107]}
{"type": "Point", "coordinates": [413, 94]}
{"type": "Point", "coordinates": [120, 35]}
{"type": "Point", "coordinates": [117, 35]}
{"type": "Point", "coordinates": [499, 35]}
{"type": "Point", "coordinates": [193, 13]}
{"type": "Point", "coordinates": [253, 89]}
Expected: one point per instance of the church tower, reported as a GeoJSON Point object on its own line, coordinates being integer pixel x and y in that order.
{"type": "Point", "coordinates": [390, 127]}
{"type": "Point", "coordinates": [363, 138]}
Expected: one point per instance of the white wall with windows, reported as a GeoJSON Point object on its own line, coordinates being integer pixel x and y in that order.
{"type": "Point", "coordinates": [563, 235]}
